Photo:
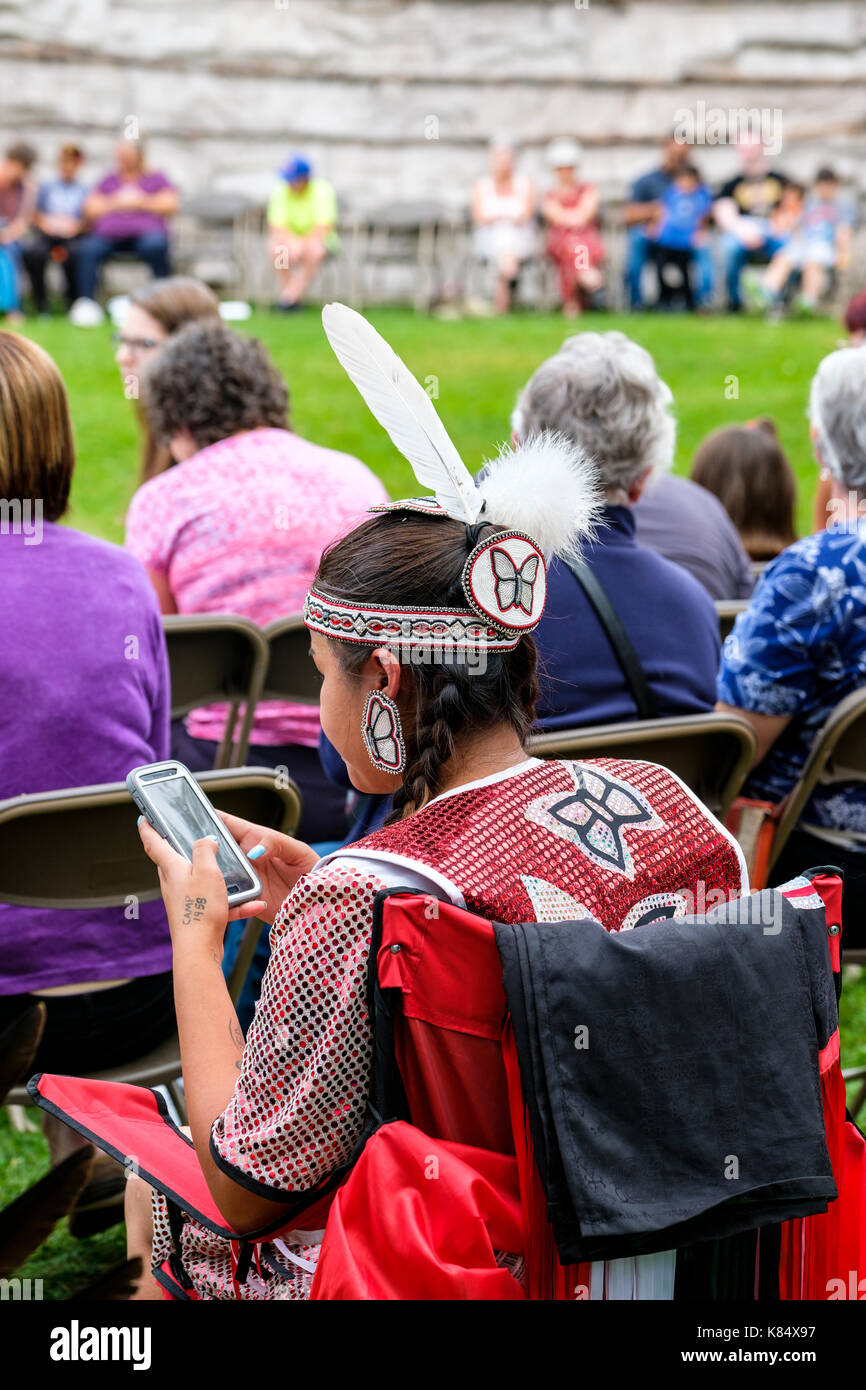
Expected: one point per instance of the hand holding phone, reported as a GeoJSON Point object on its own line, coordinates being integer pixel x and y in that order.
{"type": "Point", "coordinates": [280, 860]}
{"type": "Point", "coordinates": [194, 893]}
{"type": "Point", "coordinates": [172, 801]}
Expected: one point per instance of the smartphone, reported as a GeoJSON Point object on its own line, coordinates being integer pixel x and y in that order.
{"type": "Point", "coordinates": [169, 797]}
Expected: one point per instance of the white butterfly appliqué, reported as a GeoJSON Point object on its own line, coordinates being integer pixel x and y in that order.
{"type": "Point", "coordinates": [514, 587]}
{"type": "Point", "coordinates": [380, 731]}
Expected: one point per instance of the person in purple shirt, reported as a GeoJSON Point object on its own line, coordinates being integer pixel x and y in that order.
{"type": "Point", "coordinates": [128, 211]}
{"type": "Point", "coordinates": [85, 698]}
{"type": "Point", "coordinates": [601, 391]}
{"type": "Point", "coordinates": [687, 524]}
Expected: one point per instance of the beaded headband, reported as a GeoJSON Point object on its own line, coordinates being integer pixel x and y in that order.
{"type": "Point", "coordinates": [504, 581]}
{"type": "Point", "coordinates": [543, 486]}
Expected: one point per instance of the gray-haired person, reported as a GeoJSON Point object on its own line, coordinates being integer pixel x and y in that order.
{"type": "Point", "coordinates": [800, 646]}
{"type": "Point", "coordinates": [659, 652]}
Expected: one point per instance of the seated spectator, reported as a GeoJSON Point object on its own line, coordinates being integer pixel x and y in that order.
{"type": "Point", "coordinates": [641, 213]}
{"type": "Point", "coordinates": [800, 648]}
{"type": "Point", "coordinates": [302, 222]}
{"type": "Point", "coordinates": [129, 212]}
{"type": "Point", "coordinates": [855, 319]}
{"type": "Point", "coordinates": [772, 290]}
{"type": "Point", "coordinates": [746, 468]}
{"type": "Point", "coordinates": [503, 204]}
{"type": "Point", "coordinates": [688, 525]}
{"type": "Point", "coordinates": [819, 243]}
{"type": "Point", "coordinates": [85, 698]}
{"type": "Point", "coordinates": [855, 326]}
{"type": "Point", "coordinates": [153, 315]}
{"type": "Point", "coordinates": [684, 210]}
{"type": "Point", "coordinates": [787, 215]}
{"type": "Point", "coordinates": [17, 199]}
{"type": "Point", "coordinates": [571, 214]}
{"type": "Point", "coordinates": [238, 525]}
{"type": "Point", "coordinates": [743, 212]}
{"type": "Point", "coordinates": [602, 391]}
{"type": "Point", "coordinates": [58, 222]}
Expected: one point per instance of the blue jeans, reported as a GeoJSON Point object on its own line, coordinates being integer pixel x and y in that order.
{"type": "Point", "coordinates": [10, 278]}
{"type": "Point", "coordinates": [150, 247]}
{"type": "Point", "coordinates": [736, 256]}
{"type": "Point", "coordinates": [638, 246]}
{"type": "Point", "coordinates": [252, 986]}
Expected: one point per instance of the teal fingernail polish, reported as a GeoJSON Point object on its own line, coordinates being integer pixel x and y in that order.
{"type": "Point", "coordinates": [256, 852]}
{"type": "Point", "coordinates": [215, 838]}
{"type": "Point", "coordinates": [140, 819]}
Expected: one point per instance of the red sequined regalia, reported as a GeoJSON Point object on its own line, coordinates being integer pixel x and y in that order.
{"type": "Point", "coordinates": [623, 842]}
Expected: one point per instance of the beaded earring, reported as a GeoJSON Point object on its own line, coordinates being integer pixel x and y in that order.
{"type": "Point", "coordinates": [383, 733]}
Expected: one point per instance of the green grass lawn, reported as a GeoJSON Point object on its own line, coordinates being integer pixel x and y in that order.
{"type": "Point", "coordinates": [478, 366]}
{"type": "Point", "coordinates": [721, 371]}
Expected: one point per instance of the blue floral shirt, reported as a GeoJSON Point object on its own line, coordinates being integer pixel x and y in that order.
{"type": "Point", "coordinates": [798, 649]}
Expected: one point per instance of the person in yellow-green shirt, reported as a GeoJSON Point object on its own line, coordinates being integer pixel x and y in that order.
{"type": "Point", "coordinates": [302, 217]}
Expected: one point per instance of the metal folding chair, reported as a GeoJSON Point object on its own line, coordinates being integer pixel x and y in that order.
{"type": "Point", "coordinates": [291, 673]}
{"type": "Point", "coordinates": [839, 747]}
{"type": "Point", "coordinates": [80, 849]}
{"type": "Point", "coordinates": [216, 658]}
{"type": "Point", "coordinates": [728, 610]}
{"type": "Point", "coordinates": [711, 753]}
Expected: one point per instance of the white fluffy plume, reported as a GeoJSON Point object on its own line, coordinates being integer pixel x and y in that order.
{"type": "Point", "coordinates": [545, 487]}
{"type": "Point", "coordinates": [402, 406]}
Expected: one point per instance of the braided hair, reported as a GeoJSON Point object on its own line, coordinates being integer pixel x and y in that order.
{"type": "Point", "coordinates": [407, 559]}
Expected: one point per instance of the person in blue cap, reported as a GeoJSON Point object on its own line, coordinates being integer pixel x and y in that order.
{"type": "Point", "coordinates": [302, 217]}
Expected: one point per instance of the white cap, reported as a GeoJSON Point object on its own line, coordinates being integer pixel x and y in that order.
{"type": "Point", "coordinates": [563, 153]}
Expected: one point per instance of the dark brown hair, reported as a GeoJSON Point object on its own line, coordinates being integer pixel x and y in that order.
{"type": "Point", "coordinates": [213, 383]}
{"type": "Point", "coordinates": [21, 153]}
{"type": "Point", "coordinates": [746, 468]}
{"type": "Point", "coordinates": [37, 453]}
{"type": "Point", "coordinates": [410, 560]}
{"type": "Point", "coordinates": [855, 313]}
{"type": "Point", "coordinates": [173, 302]}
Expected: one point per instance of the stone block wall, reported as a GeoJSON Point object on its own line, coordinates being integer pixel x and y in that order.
{"type": "Point", "coordinates": [398, 99]}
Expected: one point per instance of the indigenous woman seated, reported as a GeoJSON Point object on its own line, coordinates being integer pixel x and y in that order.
{"type": "Point", "coordinates": [421, 623]}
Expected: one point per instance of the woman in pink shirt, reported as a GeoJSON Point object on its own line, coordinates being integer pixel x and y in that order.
{"type": "Point", "coordinates": [238, 525]}
{"type": "Point", "coordinates": [574, 244]}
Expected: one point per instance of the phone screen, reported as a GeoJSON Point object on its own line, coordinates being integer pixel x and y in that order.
{"type": "Point", "coordinates": [186, 819]}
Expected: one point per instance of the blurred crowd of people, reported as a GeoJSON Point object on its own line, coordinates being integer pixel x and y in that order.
{"type": "Point", "coordinates": [685, 243]}
{"type": "Point", "coordinates": [79, 226]}
{"type": "Point", "coordinates": [690, 236]}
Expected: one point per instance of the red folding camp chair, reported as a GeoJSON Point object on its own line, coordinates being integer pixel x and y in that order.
{"type": "Point", "coordinates": [434, 1198]}
{"type": "Point", "coordinates": [461, 1177]}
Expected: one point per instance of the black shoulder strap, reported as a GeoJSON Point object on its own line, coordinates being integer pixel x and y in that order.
{"type": "Point", "coordinates": [623, 649]}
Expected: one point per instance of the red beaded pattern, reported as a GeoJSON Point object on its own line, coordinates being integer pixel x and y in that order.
{"type": "Point", "coordinates": [459, 629]}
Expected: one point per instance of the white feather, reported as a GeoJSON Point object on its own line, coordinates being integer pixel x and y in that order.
{"type": "Point", "coordinates": [546, 487]}
{"type": "Point", "coordinates": [402, 406]}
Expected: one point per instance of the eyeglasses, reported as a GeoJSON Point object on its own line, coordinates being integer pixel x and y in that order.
{"type": "Point", "coordinates": [136, 344]}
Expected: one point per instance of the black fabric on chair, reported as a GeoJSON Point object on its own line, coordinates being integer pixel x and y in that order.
{"type": "Point", "coordinates": [690, 1108]}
